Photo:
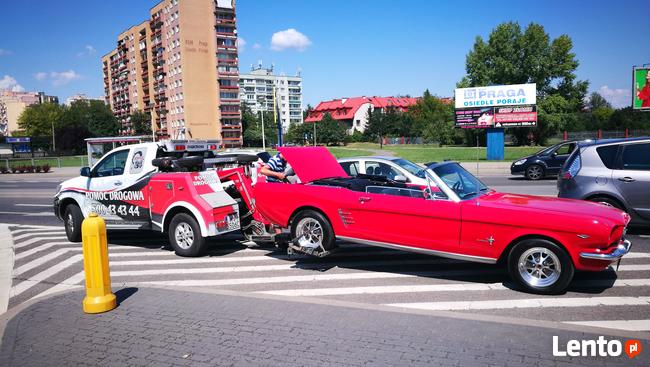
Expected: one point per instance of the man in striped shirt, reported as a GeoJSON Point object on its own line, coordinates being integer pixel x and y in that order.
{"type": "Point", "coordinates": [274, 169]}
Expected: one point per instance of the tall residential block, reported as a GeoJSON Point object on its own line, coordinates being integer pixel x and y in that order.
{"type": "Point", "coordinates": [181, 68]}
{"type": "Point", "coordinates": [256, 90]}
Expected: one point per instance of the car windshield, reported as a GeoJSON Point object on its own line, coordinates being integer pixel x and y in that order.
{"type": "Point", "coordinates": [463, 183]}
{"type": "Point", "coordinates": [411, 167]}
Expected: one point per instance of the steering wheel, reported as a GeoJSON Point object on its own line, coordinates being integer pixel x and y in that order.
{"type": "Point", "coordinates": [458, 186]}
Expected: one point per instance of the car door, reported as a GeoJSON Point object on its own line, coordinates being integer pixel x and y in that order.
{"type": "Point", "coordinates": [632, 177]}
{"type": "Point", "coordinates": [558, 157]}
{"type": "Point", "coordinates": [389, 216]}
{"type": "Point", "coordinates": [107, 178]}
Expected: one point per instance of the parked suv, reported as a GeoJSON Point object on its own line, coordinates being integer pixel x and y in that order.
{"type": "Point", "coordinates": [546, 162]}
{"type": "Point", "coordinates": [614, 172]}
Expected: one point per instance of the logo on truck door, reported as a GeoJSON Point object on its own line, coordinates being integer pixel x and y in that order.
{"type": "Point", "coordinates": [137, 161]}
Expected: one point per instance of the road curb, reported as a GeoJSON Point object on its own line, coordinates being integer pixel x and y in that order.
{"type": "Point", "coordinates": [6, 265]}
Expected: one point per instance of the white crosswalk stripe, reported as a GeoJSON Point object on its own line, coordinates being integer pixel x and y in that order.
{"type": "Point", "coordinates": [47, 263]}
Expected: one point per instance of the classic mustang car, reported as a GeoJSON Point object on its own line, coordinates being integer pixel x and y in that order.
{"type": "Point", "coordinates": [541, 239]}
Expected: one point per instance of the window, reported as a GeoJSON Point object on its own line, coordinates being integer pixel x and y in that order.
{"type": "Point", "coordinates": [396, 191]}
{"type": "Point", "coordinates": [636, 157]}
{"type": "Point", "coordinates": [607, 154]}
{"type": "Point", "coordinates": [381, 169]}
{"type": "Point", "coordinates": [351, 168]}
{"type": "Point", "coordinates": [565, 149]}
{"type": "Point", "coordinates": [112, 165]}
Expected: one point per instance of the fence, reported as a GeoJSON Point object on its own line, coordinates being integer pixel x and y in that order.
{"type": "Point", "coordinates": [600, 134]}
{"type": "Point", "coordinates": [69, 161]}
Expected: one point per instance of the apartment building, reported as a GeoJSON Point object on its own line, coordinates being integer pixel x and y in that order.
{"type": "Point", "coordinates": [256, 90]}
{"type": "Point", "coordinates": [181, 67]}
{"type": "Point", "coordinates": [12, 104]}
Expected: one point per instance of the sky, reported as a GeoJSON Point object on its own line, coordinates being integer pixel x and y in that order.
{"type": "Point", "coordinates": [343, 48]}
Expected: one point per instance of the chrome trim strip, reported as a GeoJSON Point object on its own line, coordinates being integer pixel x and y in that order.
{"type": "Point", "coordinates": [620, 251]}
{"type": "Point", "coordinates": [450, 255]}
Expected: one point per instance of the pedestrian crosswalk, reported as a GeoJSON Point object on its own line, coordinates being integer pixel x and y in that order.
{"type": "Point", "coordinates": [46, 263]}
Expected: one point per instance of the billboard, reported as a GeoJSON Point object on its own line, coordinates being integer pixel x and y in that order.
{"type": "Point", "coordinates": [500, 95]}
{"type": "Point", "coordinates": [487, 117]}
{"type": "Point", "coordinates": [641, 89]}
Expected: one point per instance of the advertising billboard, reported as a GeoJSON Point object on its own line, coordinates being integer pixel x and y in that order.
{"type": "Point", "coordinates": [487, 117]}
{"type": "Point", "coordinates": [499, 95]}
{"type": "Point", "coordinates": [641, 89]}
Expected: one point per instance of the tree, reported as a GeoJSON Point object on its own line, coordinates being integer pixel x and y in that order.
{"type": "Point", "coordinates": [300, 133]}
{"type": "Point", "coordinates": [330, 131]}
{"type": "Point", "coordinates": [597, 101]}
{"type": "Point", "coordinates": [511, 56]}
{"type": "Point", "coordinates": [37, 120]}
{"type": "Point", "coordinates": [377, 127]}
{"type": "Point", "coordinates": [140, 123]}
{"type": "Point", "coordinates": [433, 119]}
{"type": "Point", "coordinates": [253, 128]}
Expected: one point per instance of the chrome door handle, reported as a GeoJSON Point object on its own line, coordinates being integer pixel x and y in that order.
{"type": "Point", "coordinates": [364, 199]}
{"type": "Point", "coordinates": [626, 179]}
{"type": "Point", "coordinates": [118, 183]}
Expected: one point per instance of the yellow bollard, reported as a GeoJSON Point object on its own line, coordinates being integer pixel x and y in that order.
{"type": "Point", "coordinates": [99, 297]}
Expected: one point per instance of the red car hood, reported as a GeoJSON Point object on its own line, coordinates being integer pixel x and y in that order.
{"type": "Point", "coordinates": [312, 163]}
{"type": "Point", "coordinates": [551, 204]}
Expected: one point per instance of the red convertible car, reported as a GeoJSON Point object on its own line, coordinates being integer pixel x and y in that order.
{"type": "Point", "coordinates": [542, 240]}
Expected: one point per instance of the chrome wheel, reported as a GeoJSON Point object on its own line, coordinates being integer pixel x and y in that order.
{"type": "Point", "coordinates": [309, 233]}
{"type": "Point", "coordinates": [70, 223]}
{"type": "Point", "coordinates": [534, 172]}
{"type": "Point", "coordinates": [539, 267]}
{"type": "Point", "coordinates": [605, 203]}
{"type": "Point", "coordinates": [184, 235]}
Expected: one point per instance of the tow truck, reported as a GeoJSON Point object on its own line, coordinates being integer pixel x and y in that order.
{"type": "Point", "coordinates": [168, 186]}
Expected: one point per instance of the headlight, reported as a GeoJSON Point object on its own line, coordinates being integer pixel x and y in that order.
{"type": "Point", "coordinates": [520, 162]}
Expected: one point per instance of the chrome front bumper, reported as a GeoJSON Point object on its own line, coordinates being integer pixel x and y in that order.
{"type": "Point", "coordinates": [621, 250]}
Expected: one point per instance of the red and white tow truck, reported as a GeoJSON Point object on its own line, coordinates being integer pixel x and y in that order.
{"type": "Point", "coordinates": [171, 187]}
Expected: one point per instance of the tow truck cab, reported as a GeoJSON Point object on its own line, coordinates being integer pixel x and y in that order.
{"type": "Point", "coordinates": [161, 186]}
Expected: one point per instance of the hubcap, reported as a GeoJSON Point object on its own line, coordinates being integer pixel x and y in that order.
{"type": "Point", "coordinates": [605, 203]}
{"type": "Point", "coordinates": [534, 172]}
{"type": "Point", "coordinates": [184, 235]}
{"type": "Point", "coordinates": [539, 267]}
{"type": "Point", "coordinates": [70, 223]}
{"type": "Point", "coordinates": [309, 233]}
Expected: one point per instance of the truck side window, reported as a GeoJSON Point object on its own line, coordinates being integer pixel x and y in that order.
{"type": "Point", "coordinates": [112, 165]}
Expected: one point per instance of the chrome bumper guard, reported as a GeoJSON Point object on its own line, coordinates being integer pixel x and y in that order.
{"type": "Point", "coordinates": [621, 250]}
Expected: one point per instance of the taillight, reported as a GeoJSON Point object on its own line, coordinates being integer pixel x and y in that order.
{"type": "Point", "coordinates": [180, 147]}
{"type": "Point", "coordinates": [573, 168]}
{"type": "Point", "coordinates": [223, 216]}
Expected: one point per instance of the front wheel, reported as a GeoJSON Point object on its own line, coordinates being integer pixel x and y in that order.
{"type": "Point", "coordinates": [535, 172]}
{"type": "Point", "coordinates": [72, 219]}
{"type": "Point", "coordinates": [185, 235]}
{"type": "Point", "coordinates": [540, 266]}
{"type": "Point", "coordinates": [312, 230]}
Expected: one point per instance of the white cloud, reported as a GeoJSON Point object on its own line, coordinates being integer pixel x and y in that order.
{"type": "Point", "coordinates": [40, 76]}
{"type": "Point", "coordinates": [289, 38]}
{"type": "Point", "coordinates": [8, 82]}
{"type": "Point", "coordinates": [58, 78]}
{"type": "Point", "coordinates": [241, 44]}
{"type": "Point", "coordinates": [256, 46]}
{"type": "Point", "coordinates": [618, 98]}
{"type": "Point", "coordinates": [4, 52]}
{"type": "Point", "coordinates": [88, 51]}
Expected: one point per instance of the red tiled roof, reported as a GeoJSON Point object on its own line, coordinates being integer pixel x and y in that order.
{"type": "Point", "coordinates": [345, 108]}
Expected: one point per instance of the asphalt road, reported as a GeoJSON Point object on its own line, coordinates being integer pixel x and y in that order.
{"type": "Point", "coordinates": [45, 262]}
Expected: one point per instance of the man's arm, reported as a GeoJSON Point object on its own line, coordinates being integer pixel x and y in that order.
{"type": "Point", "coordinates": [266, 171]}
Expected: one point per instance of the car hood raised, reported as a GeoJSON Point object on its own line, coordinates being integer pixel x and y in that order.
{"type": "Point", "coordinates": [312, 163]}
{"type": "Point", "coordinates": [552, 204]}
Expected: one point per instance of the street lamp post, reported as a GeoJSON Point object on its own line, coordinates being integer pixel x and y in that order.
{"type": "Point", "coordinates": [260, 100]}
{"type": "Point", "coordinates": [53, 139]}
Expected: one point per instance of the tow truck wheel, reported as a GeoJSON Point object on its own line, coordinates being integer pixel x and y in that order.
{"type": "Point", "coordinates": [311, 228]}
{"type": "Point", "coordinates": [540, 266]}
{"type": "Point", "coordinates": [72, 219]}
{"type": "Point", "coordinates": [185, 235]}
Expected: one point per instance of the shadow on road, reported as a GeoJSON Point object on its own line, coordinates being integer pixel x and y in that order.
{"type": "Point", "coordinates": [124, 293]}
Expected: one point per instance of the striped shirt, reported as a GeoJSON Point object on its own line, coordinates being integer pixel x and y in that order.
{"type": "Point", "coordinates": [275, 164]}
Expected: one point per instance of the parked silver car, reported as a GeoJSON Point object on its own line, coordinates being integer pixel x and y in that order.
{"type": "Point", "coordinates": [613, 172]}
{"type": "Point", "coordinates": [395, 168]}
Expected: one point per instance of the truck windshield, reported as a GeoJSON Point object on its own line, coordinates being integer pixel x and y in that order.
{"type": "Point", "coordinates": [463, 183]}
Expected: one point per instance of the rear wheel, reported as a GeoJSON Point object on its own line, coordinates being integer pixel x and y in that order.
{"type": "Point", "coordinates": [185, 235]}
{"type": "Point", "coordinates": [535, 172]}
{"type": "Point", "coordinates": [604, 200]}
{"type": "Point", "coordinates": [72, 219]}
{"type": "Point", "coordinates": [540, 266]}
{"type": "Point", "coordinates": [311, 229]}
